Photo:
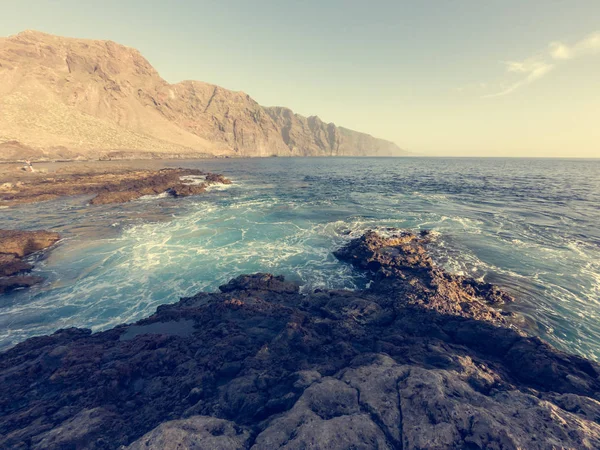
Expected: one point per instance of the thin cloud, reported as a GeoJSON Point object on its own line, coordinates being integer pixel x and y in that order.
{"type": "Point", "coordinates": [533, 69]}
{"type": "Point", "coordinates": [589, 45]}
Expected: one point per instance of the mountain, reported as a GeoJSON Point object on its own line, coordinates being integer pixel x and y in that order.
{"type": "Point", "coordinates": [63, 98]}
{"type": "Point", "coordinates": [311, 136]}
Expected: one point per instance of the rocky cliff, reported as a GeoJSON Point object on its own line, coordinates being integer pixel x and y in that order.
{"type": "Point", "coordinates": [63, 97]}
{"type": "Point", "coordinates": [422, 359]}
{"type": "Point", "coordinates": [309, 136]}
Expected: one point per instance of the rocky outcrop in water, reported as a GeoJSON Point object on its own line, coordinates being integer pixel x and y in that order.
{"type": "Point", "coordinates": [16, 245]}
{"type": "Point", "coordinates": [420, 359]}
{"type": "Point", "coordinates": [167, 181]}
{"type": "Point", "coordinates": [111, 187]}
{"type": "Point", "coordinates": [76, 98]}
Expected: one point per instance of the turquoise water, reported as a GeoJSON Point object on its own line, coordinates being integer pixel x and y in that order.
{"type": "Point", "coordinates": [530, 225]}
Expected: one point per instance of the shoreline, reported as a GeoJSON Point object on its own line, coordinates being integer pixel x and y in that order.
{"type": "Point", "coordinates": [267, 366]}
{"type": "Point", "coordinates": [109, 182]}
{"type": "Point", "coordinates": [107, 186]}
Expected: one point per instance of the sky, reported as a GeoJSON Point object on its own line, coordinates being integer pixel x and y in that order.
{"type": "Point", "coordinates": [438, 77]}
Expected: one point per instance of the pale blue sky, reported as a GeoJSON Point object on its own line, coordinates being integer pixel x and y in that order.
{"type": "Point", "coordinates": [433, 76]}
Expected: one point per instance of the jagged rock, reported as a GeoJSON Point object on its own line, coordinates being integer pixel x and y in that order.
{"type": "Point", "coordinates": [417, 360]}
{"type": "Point", "coordinates": [403, 269]}
{"type": "Point", "coordinates": [260, 282]}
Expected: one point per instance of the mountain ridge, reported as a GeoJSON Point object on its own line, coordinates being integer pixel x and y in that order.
{"type": "Point", "coordinates": [67, 97]}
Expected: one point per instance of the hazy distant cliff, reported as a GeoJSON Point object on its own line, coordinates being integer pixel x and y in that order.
{"type": "Point", "coordinates": [312, 136]}
{"type": "Point", "coordinates": [65, 97]}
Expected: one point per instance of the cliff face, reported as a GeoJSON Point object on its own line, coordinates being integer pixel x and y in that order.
{"type": "Point", "coordinates": [311, 136]}
{"type": "Point", "coordinates": [89, 98]}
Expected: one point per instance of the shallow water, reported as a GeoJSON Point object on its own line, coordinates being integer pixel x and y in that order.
{"type": "Point", "coordinates": [530, 225]}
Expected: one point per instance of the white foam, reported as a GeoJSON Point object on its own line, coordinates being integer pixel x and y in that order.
{"type": "Point", "coordinates": [153, 197]}
{"type": "Point", "coordinates": [219, 187]}
{"type": "Point", "coordinates": [192, 179]}
{"type": "Point", "coordinates": [430, 196]}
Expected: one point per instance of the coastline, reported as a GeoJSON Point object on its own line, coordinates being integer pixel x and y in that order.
{"type": "Point", "coordinates": [109, 182]}
{"type": "Point", "coordinates": [260, 366]}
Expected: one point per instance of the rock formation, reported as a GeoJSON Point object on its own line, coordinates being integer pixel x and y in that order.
{"type": "Point", "coordinates": [75, 98]}
{"type": "Point", "coordinates": [16, 245]}
{"type": "Point", "coordinates": [170, 181]}
{"type": "Point", "coordinates": [422, 359]}
{"type": "Point", "coordinates": [112, 187]}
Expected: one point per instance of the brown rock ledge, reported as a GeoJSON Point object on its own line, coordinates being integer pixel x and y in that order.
{"type": "Point", "coordinates": [110, 187]}
{"type": "Point", "coordinates": [16, 245]}
{"type": "Point", "coordinates": [421, 359]}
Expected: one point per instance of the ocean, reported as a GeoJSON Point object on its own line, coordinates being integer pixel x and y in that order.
{"type": "Point", "coordinates": [528, 225]}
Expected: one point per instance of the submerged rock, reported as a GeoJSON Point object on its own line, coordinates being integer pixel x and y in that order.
{"type": "Point", "coordinates": [421, 359]}
{"type": "Point", "coordinates": [16, 245]}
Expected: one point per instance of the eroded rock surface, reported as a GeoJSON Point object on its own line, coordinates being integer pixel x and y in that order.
{"type": "Point", "coordinates": [16, 245]}
{"type": "Point", "coordinates": [419, 360]}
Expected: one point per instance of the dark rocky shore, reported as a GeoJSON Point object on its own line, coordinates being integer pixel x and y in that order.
{"type": "Point", "coordinates": [14, 247]}
{"type": "Point", "coordinates": [422, 359]}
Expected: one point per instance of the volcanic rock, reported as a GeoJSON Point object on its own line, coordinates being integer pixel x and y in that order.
{"type": "Point", "coordinates": [420, 359]}
{"type": "Point", "coordinates": [197, 432]}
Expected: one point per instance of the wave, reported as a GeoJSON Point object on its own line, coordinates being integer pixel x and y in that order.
{"type": "Point", "coordinates": [118, 263]}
